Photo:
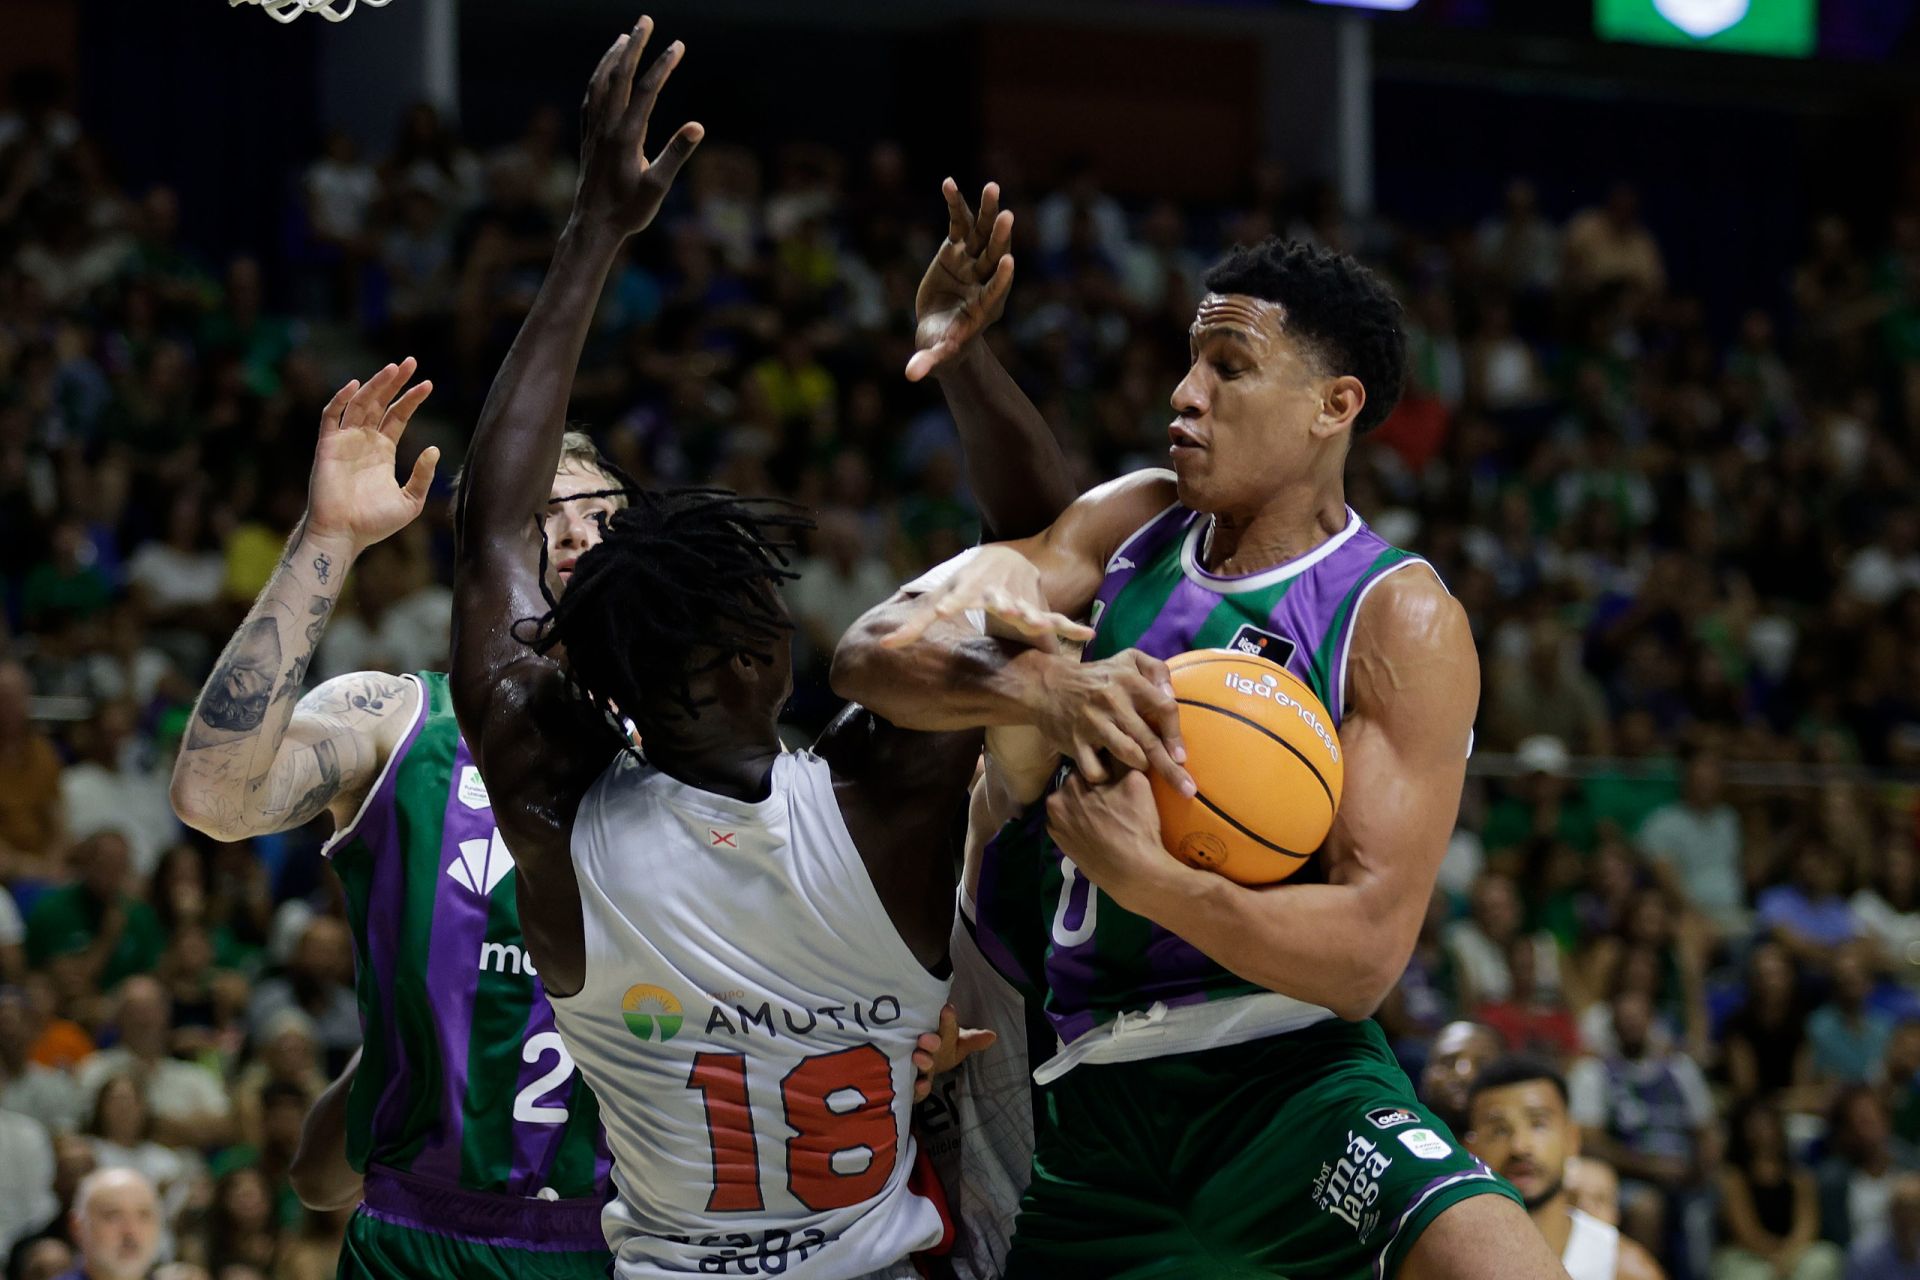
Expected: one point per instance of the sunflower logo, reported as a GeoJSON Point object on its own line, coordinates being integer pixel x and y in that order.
{"type": "Point", "coordinates": [652, 1013]}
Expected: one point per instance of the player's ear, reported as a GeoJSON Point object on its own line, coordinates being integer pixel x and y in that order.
{"type": "Point", "coordinates": [1341, 400]}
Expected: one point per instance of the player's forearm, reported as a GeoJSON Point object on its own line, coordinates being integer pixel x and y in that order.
{"type": "Point", "coordinates": [949, 679]}
{"type": "Point", "coordinates": [1015, 466]}
{"type": "Point", "coordinates": [516, 446]}
{"type": "Point", "coordinates": [1326, 944]}
{"type": "Point", "coordinates": [240, 718]}
{"type": "Point", "coordinates": [320, 1174]}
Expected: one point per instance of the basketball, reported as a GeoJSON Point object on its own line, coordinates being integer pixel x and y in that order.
{"type": "Point", "coordinates": [1264, 756]}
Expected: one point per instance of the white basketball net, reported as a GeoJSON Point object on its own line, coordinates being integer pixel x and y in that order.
{"type": "Point", "coordinates": [288, 10]}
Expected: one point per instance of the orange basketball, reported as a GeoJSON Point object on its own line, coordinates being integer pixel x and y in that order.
{"type": "Point", "coordinates": [1263, 753]}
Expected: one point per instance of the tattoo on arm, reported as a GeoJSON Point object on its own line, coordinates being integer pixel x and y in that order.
{"type": "Point", "coordinates": [319, 608]}
{"type": "Point", "coordinates": [322, 567]}
{"type": "Point", "coordinates": [240, 689]}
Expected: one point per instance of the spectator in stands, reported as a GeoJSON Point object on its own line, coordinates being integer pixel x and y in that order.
{"type": "Point", "coordinates": [1545, 690]}
{"type": "Point", "coordinates": [30, 832]}
{"type": "Point", "coordinates": [120, 1132]}
{"type": "Point", "coordinates": [1766, 1052]}
{"type": "Point", "coordinates": [189, 1106]}
{"type": "Point", "coordinates": [1769, 1208]}
{"type": "Point", "coordinates": [839, 581]}
{"type": "Point", "coordinates": [116, 1226]}
{"type": "Point", "coordinates": [1479, 946]}
{"type": "Point", "coordinates": [113, 934]}
{"type": "Point", "coordinates": [1647, 1112]}
{"type": "Point", "coordinates": [27, 1202]}
{"type": "Point", "coordinates": [26, 1087]}
{"type": "Point", "coordinates": [1594, 1188]}
{"type": "Point", "coordinates": [1453, 1064]}
{"type": "Point", "coordinates": [1849, 1039]}
{"type": "Point", "coordinates": [1612, 246]}
{"type": "Point", "coordinates": [1521, 249]}
{"type": "Point", "coordinates": [241, 1229]}
{"type": "Point", "coordinates": [1532, 1019]}
{"type": "Point", "coordinates": [1864, 1161]}
{"type": "Point", "coordinates": [1808, 915]}
{"type": "Point", "coordinates": [318, 983]}
{"type": "Point", "coordinates": [108, 787]}
{"type": "Point", "coordinates": [1695, 848]}
{"type": "Point", "coordinates": [1544, 804]}
{"type": "Point", "coordinates": [1893, 1254]}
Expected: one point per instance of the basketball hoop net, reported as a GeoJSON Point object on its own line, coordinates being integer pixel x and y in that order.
{"type": "Point", "coordinates": [288, 10]}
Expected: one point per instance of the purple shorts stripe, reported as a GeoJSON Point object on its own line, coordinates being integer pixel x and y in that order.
{"type": "Point", "coordinates": [500, 1222]}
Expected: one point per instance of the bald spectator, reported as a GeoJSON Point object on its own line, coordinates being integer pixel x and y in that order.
{"type": "Point", "coordinates": [189, 1104]}
{"type": "Point", "coordinates": [317, 983]}
{"type": "Point", "coordinates": [114, 934]}
{"type": "Point", "coordinates": [1893, 1254]}
{"type": "Point", "coordinates": [31, 832]}
{"type": "Point", "coordinates": [1459, 1052]}
{"type": "Point", "coordinates": [116, 1226]}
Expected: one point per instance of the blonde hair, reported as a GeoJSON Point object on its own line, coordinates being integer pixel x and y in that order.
{"type": "Point", "coordinates": [578, 449]}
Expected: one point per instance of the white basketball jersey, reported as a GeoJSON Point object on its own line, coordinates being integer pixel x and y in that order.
{"type": "Point", "coordinates": [1593, 1250]}
{"type": "Point", "coordinates": [747, 1023]}
{"type": "Point", "coordinates": [978, 1123]}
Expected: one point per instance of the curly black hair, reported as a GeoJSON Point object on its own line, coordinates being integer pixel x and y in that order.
{"type": "Point", "coordinates": [680, 582]}
{"type": "Point", "coordinates": [1343, 313]}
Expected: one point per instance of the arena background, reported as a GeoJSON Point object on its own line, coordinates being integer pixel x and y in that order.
{"type": "Point", "coordinates": [1665, 310]}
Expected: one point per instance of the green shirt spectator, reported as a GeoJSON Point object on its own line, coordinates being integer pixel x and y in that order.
{"type": "Point", "coordinates": [116, 935]}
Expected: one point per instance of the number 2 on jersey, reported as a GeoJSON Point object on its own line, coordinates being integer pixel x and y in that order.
{"type": "Point", "coordinates": [839, 1105]}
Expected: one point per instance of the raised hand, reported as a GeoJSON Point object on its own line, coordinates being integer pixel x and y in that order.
{"type": "Point", "coordinates": [965, 288]}
{"type": "Point", "coordinates": [353, 497]}
{"type": "Point", "coordinates": [619, 186]}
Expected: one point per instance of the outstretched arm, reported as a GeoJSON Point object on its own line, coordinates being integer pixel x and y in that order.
{"type": "Point", "coordinates": [1015, 466]}
{"type": "Point", "coordinates": [537, 746]}
{"type": "Point", "coordinates": [253, 760]}
{"type": "Point", "coordinates": [1414, 683]}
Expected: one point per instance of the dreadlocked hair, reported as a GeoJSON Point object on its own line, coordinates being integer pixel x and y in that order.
{"type": "Point", "coordinates": [676, 574]}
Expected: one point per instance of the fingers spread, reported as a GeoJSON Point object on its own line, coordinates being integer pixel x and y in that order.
{"type": "Point", "coordinates": [330, 416]}
{"type": "Point", "coordinates": [403, 410]}
{"type": "Point", "coordinates": [959, 217]}
{"type": "Point", "coordinates": [620, 91]}
{"type": "Point", "coordinates": [679, 147]}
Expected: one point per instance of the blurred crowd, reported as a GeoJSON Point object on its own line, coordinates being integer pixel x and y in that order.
{"type": "Point", "coordinates": [1684, 529]}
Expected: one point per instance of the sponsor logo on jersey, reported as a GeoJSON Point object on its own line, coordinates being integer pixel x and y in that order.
{"type": "Point", "coordinates": [722, 839]}
{"type": "Point", "coordinates": [1390, 1117]}
{"type": "Point", "coordinates": [1262, 644]}
{"type": "Point", "coordinates": [652, 1013]}
{"type": "Point", "coordinates": [472, 792]}
{"type": "Point", "coordinates": [506, 957]}
{"type": "Point", "coordinates": [482, 864]}
{"type": "Point", "coordinates": [734, 1015]}
{"type": "Point", "coordinates": [1268, 687]}
{"type": "Point", "coordinates": [1426, 1144]}
{"type": "Point", "coordinates": [1349, 1188]}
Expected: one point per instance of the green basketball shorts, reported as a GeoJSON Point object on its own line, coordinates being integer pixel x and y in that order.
{"type": "Point", "coordinates": [1303, 1156]}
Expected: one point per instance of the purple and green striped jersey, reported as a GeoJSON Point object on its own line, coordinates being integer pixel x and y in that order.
{"type": "Point", "coordinates": [1037, 919]}
{"type": "Point", "coordinates": [463, 1080]}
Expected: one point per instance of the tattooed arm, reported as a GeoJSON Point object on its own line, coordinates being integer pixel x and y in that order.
{"type": "Point", "coordinates": [257, 757]}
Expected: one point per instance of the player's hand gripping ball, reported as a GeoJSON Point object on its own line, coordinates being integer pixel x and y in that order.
{"type": "Point", "coordinates": [1262, 750]}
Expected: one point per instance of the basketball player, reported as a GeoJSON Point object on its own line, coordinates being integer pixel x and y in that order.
{"type": "Point", "coordinates": [480, 1147]}
{"type": "Point", "coordinates": [739, 943]}
{"type": "Point", "coordinates": [1520, 1127]}
{"type": "Point", "coordinates": [1219, 1093]}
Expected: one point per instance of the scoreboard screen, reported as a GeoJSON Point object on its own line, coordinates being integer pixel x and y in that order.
{"type": "Point", "coordinates": [1783, 28]}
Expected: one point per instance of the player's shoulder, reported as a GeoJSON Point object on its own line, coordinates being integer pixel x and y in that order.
{"type": "Point", "coordinates": [1409, 612]}
{"type": "Point", "coordinates": [1635, 1263]}
{"type": "Point", "coordinates": [1108, 514]}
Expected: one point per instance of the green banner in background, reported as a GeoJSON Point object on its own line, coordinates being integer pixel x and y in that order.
{"type": "Point", "coordinates": [1784, 28]}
